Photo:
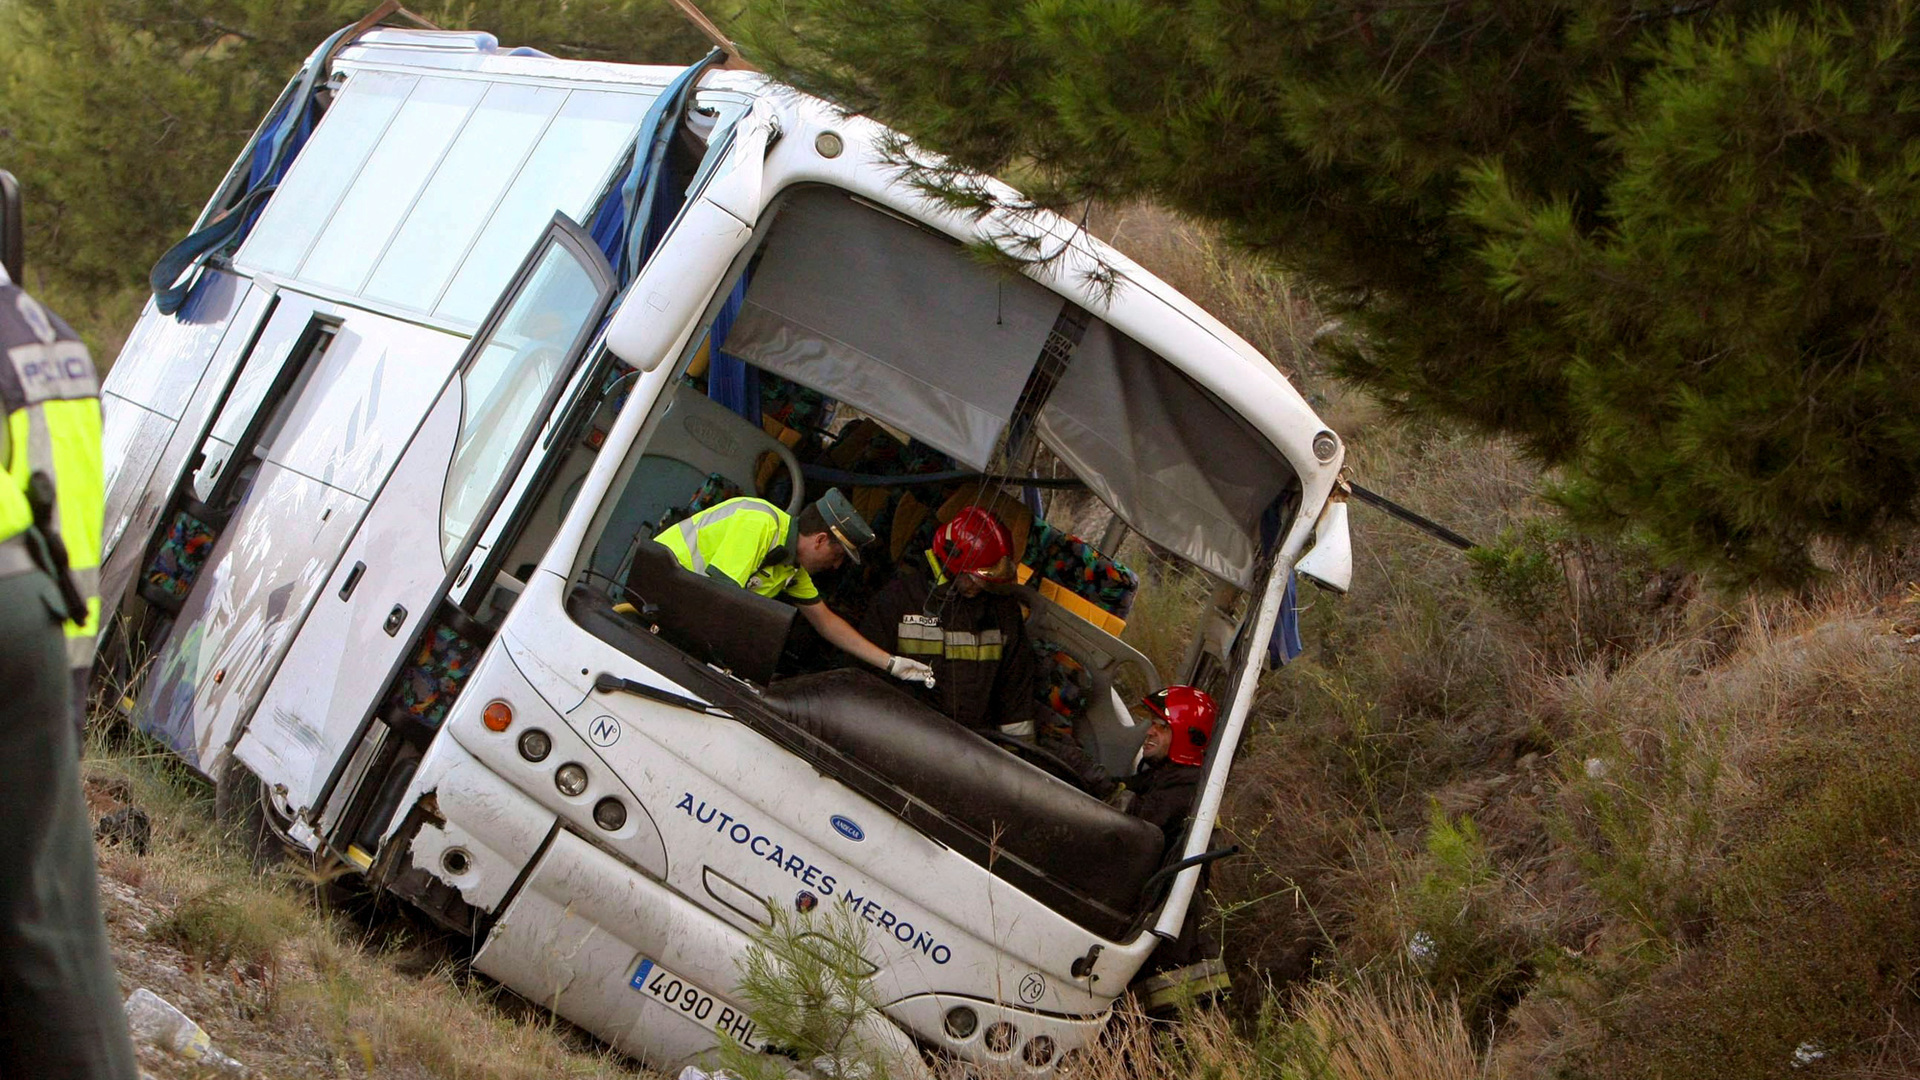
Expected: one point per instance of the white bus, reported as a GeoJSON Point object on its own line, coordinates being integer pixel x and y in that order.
{"type": "Point", "coordinates": [379, 499]}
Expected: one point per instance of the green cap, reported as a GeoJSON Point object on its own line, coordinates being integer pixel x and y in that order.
{"type": "Point", "coordinates": [845, 523]}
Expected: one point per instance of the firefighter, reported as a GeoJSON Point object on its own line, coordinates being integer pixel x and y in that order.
{"type": "Point", "coordinates": [1166, 778]}
{"type": "Point", "coordinates": [951, 613]}
{"type": "Point", "coordinates": [60, 1012]}
{"type": "Point", "coordinates": [1167, 771]}
{"type": "Point", "coordinates": [751, 543]}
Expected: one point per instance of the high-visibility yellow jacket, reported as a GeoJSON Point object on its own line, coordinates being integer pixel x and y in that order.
{"type": "Point", "coordinates": [747, 541]}
{"type": "Point", "coordinates": [52, 403]}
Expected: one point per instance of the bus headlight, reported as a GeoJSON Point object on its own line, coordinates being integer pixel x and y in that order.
{"type": "Point", "coordinates": [535, 745]}
{"type": "Point", "coordinates": [609, 814]}
{"type": "Point", "coordinates": [1001, 1037]}
{"type": "Point", "coordinates": [961, 1021]}
{"type": "Point", "coordinates": [571, 779]}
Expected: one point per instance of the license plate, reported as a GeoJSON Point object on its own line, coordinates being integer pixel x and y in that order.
{"type": "Point", "coordinates": [696, 1004]}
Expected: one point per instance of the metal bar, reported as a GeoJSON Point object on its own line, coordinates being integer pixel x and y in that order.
{"type": "Point", "coordinates": [1373, 498]}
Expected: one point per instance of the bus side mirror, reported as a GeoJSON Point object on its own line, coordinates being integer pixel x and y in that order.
{"type": "Point", "coordinates": [654, 318]}
{"type": "Point", "coordinates": [674, 286]}
{"type": "Point", "coordinates": [1329, 563]}
{"type": "Point", "coordinates": [13, 228]}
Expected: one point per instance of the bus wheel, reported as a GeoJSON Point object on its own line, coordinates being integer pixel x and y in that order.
{"type": "Point", "coordinates": [240, 805]}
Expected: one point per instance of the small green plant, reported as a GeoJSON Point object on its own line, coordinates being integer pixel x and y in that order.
{"type": "Point", "coordinates": [807, 984]}
{"type": "Point", "coordinates": [1642, 826]}
{"type": "Point", "coordinates": [1521, 570]}
{"type": "Point", "coordinates": [1463, 940]}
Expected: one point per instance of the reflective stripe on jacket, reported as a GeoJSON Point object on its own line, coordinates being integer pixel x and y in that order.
{"type": "Point", "coordinates": [52, 403]}
{"type": "Point", "coordinates": [977, 647]}
{"type": "Point", "coordinates": [747, 541]}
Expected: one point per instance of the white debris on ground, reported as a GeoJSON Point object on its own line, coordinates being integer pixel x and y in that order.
{"type": "Point", "coordinates": [154, 1021]}
{"type": "Point", "coordinates": [1807, 1053]}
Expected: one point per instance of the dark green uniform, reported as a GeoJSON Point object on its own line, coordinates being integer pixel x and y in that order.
{"type": "Point", "coordinates": [60, 1011]}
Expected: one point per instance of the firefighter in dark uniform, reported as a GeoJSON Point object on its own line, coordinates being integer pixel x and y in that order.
{"type": "Point", "coordinates": [60, 1011]}
{"type": "Point", "coordinates": [1167, 776]}
{"type": "Point", "coordinates": [973, 636]}
{"type": "Point", "coordinates": [945, 614]}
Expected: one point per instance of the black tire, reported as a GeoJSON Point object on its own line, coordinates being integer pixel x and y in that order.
{"type": "Point", "coordinates": [240, 806]}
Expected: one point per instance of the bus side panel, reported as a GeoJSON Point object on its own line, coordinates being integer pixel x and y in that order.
{"type": "Point", "coordinates": [337, 664]}
{"type": "Point", "coordinates": [160, 365]}
{"type": "Point", "coordinates": [281, 544]}
{"type": "Point", "coordinates": [132, 440]}
{"type": "Point", "coordinates": [158, 397]}
{"type": "Point", "coordinates": [727, 798]}
{"type": "Point", "coordinates": [339, 440]}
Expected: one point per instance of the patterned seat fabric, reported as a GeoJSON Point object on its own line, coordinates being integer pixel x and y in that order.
{"type": "Point", "coordinates": [1063, 683]}
{"type": "Point", "coordinates": [792, 404]}
{"type": "Point", "coordinates": [432, 679]}
{"type": "Point", "coordinates": [180, 558]}
{"type": "Point", "coordinates": [1076, 566]}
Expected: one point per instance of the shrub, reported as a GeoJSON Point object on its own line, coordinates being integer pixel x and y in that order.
{"type": "Point", "coordinates": [1636, 809]}
{"type": "Point", "coordinates": [808, 987]}
{"type": "Point", "coordinates": [1463, 940]}
{"type": "Point", "coordinates": [227, 922]}
{"type": "Point", "coordinates": [1380, 1030]}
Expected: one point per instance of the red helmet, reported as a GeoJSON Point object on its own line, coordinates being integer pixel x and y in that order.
{"type": "Point", "coordinates": [975, 542]}
{"type": "Point", "coordinates": [1190, 713]}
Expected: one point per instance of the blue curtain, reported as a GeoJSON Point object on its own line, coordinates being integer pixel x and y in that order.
{"type": "Point", "coordinates": [732, 381]}
{"type": "Point", "coordinates": [625, 246]}
{"type": "Point", "coordinates": [1285, 644]}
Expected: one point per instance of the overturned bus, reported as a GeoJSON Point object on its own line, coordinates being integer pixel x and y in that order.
{"type": "Point", "coordinates": [386, 454]}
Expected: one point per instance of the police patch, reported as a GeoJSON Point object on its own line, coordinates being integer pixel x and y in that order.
{"type": "Point", "coordinates": [35, 316]}
{"type": "Point", "coordinates": [55, 371]}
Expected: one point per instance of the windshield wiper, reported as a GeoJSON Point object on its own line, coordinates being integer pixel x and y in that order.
{"type": "Point", "coordinates": [608, 683]}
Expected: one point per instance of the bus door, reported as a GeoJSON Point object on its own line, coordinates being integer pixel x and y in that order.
{"type": "Point", "coordinates": [378, 661]}
{"type": "Point", "coordinates": [308, 430]}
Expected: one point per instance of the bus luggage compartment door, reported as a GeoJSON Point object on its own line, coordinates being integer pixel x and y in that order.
{"type": "Point", "coordinates": [585, 928]}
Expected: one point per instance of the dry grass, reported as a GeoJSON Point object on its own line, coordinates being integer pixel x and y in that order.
{"type": "Point", "coordinates": [1368, 1030]}
{"type": "Point", "coordinates": [1399, 1032]}
{"type": "Point", "coordinates": [288, 985]}
{"type": "Point", "coordinates": [1625, 825]}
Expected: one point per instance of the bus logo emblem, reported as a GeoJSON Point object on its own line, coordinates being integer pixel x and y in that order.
{"type": "Point", "coordinates": [848, 828]}
{"type": "Point", "coordinates": [604, 731]}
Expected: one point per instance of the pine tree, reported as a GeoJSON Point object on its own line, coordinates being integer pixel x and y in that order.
{"type": "Point", "coordinates": [1667, 247]}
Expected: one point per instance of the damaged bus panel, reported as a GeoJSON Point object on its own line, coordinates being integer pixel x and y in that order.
{"type": "Point", "coordinates": [388, 454]}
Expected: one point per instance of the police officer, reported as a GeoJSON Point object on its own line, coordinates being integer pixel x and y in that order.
{"type": "Point", "coordinates": [754, 544]}
{"type": "Point", "coordinates": [60, 1012]}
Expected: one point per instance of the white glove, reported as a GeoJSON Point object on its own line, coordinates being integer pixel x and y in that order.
{"type": "Point", "coordinates": [909, 670]}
